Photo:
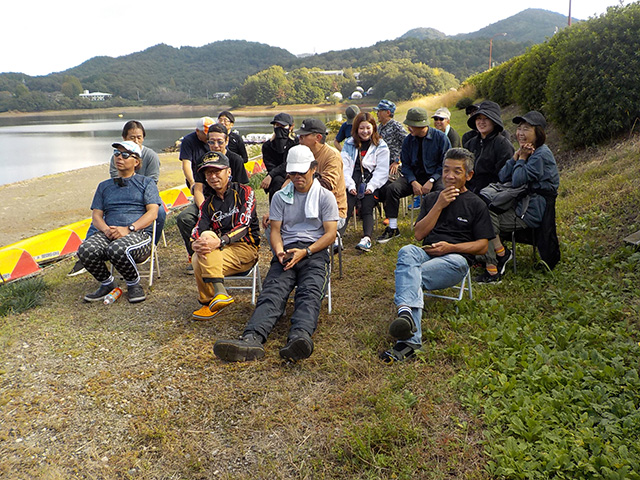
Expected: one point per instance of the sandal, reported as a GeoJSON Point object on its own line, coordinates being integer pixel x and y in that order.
{"type": "Point", "coordinates": [399, 353]}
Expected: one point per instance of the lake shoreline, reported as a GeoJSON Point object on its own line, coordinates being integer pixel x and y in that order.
{"type": "Point", "coordinates": [247, 111]}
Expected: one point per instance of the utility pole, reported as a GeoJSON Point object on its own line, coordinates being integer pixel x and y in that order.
{"type": "Point", "coordinates": [569, 12]}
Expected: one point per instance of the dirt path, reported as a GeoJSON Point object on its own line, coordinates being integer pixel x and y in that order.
{"type": "Point", "coordinates": [38, 205]}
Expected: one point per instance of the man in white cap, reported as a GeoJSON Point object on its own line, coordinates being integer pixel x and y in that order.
{"type": "Point", "coordinates": [123, 211]}
{"type": "Point", "coordinates": [304, 218]}
{"type": "Point", "coordinates": [441, 121]}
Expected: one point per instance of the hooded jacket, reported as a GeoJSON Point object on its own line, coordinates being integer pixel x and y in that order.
{"type": "Point", "coordinates": [491, 152]}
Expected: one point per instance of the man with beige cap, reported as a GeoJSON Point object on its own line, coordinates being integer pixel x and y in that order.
{"type": "Point", "coordinates": [441, 120]}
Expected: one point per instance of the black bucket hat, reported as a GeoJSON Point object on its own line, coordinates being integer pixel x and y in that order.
{"type": "Point", "coordinates": [489, 109]}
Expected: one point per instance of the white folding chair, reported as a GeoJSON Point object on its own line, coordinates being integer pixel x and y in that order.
{"type": "Point", "coordinates": [152, 260]}
{"type": "Point", "coordinates": [252, 275]}
{"type": "Point", "coordinates": [464, 286]}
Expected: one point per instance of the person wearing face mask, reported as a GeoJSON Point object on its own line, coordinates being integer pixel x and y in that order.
{"type": "Point", "coordinates": [274, 153]}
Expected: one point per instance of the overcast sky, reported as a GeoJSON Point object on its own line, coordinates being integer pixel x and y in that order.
{"type": "Point", "coordinates": [40, 37]}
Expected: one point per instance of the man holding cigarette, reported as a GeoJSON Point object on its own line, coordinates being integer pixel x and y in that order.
{"type": "Point", "coordinates": [454, 225]}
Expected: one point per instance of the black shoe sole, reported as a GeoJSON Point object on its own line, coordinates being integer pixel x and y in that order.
{"type": "Point", "coordinates": [503, 267]}
{"type": "Point", "coordinates": [137, 299]}
{"type": "Point", "coordinates": [401, 328]}
{"type": "Point", "coordinates": [237, 351]}
{"type": "Point", "coordinates": [297, 349]}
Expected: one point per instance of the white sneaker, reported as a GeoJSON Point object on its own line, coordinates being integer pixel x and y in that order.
{"type": "Point", "coordinates": [364, 245]}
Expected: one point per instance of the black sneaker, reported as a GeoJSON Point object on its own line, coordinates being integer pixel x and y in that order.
{"type": "Point", "coordinates": [503, 260]}
{"type": "Point", "coordinates": [388, 234]}
{"type": "Point", "coordinates": [249, 347]}
{"type": "Point", "coordinates": [399, 353]}
{"type": "Point", "coordinates": [299, 346]}
{"type": "Point", "coordinates": [136, 293]}
{"type": "Point", "coordinates": [486, 277]}
{"type": "Point", "coordinates": [402, 327]}
{"type": "Point", "coordinates": [100, 293]}
{"type": "Point", "coordinates": [77, 269]}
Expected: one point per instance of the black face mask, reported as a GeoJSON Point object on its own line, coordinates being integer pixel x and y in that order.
{"type": "Point", "coordinates": [281, 137]}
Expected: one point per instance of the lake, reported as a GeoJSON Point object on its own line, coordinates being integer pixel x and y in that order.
{"type": "Point", "coordinates": [34, 146]}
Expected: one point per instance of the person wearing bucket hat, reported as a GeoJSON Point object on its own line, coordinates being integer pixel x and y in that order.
{"type": "Point", "coordinates": [491, 149]}
{"type": "Point", "coordinates": [441, 121]}
{"type": "Point", "coordinates": [123, 211]}
{"type": "Point", "coordinates": [304, 219]}
{"type": "Point", "coordinates": [226, 237]}
{"type": "Point", "coordinates": [422, 155]}
{"type": "Point", "coordinates": [534, 166]}
{"type": "Point", "coordinates": [392, 132]}
{"type": "Point", "coordinates": [274, 153]}
{"type": "Point", "coordinates": [345, 128]}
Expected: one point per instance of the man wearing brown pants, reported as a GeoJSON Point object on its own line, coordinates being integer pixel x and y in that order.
{"type": "Point", "coordinates": [226, 237]}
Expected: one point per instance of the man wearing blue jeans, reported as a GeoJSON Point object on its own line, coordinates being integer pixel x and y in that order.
{"type": "Point", "coordinates": [454, 225]}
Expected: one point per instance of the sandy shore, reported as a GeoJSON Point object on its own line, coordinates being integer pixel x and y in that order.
{"type": "Point", "coordinates": [38, 205]}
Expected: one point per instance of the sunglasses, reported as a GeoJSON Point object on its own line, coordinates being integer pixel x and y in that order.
{"type": "Point", "coordinates": [216, 142]}
{"type": "Point", "coordinates": [124, 155]}
{"type": "Point", "coordinates": [297, 174]}
{"type": "Point", "coordinates": [438, 119]}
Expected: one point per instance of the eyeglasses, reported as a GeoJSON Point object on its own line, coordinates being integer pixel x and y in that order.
{"type": "Point", "coordinates": [124, 155]}
{"type": "Point", "coordinates": [213, 171]}
{"type": "Point", "coordinates": [216, 142]}
{"type": "Point", "coordinates": [438, 119]}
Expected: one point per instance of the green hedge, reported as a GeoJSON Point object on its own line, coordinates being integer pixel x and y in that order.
{"type": "Point", "coordinates": [585, 78]}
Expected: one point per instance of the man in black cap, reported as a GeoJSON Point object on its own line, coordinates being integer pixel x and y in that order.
{"type": "Point", "coordinates": [345, 128]}
{"type": "Point", "coordinates": [226, 238]}
{"type": "Point", "coordinates": [217, 141]}
{"type": "Point", "coordinates": [236, 144]}
{"type": "Point", "coordinates": [274, 153]}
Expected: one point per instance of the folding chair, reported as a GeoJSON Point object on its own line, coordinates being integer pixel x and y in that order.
{"type": "Point", "coordinates": [252, 275]}
{"type": "Point", "coordinates": [464, 286]}
{"type": "Point", "coordinates": [340, 248]}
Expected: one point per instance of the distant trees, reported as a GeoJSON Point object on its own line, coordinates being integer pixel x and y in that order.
{"type": "Point", "coordinates": [71, 86]}
{"type": "Point", "coordinates": [585, 78]}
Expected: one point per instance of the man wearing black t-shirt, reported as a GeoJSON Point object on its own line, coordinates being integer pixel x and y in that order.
{"type": "Point", "coordinates": [454, 224]}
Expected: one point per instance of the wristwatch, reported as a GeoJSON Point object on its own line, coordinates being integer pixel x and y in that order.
{"type": "Point", "coordinates": [432, 180]}
{"type": "Point", "coordinates": [132, 228]}
{"type": "Point", "coordinates": [309, 252]}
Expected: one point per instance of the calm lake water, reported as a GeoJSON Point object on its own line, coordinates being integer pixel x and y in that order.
{"type": "Point", "coordinates": [36, 146]}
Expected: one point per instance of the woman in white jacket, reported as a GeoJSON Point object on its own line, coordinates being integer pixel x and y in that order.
{"type": "Point", "coordinates": [365, 157]}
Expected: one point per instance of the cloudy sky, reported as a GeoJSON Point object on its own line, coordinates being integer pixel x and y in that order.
{"type": "Point", "coordinates": [40, 37]}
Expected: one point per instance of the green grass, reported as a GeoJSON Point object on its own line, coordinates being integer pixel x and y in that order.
{"type": "Point", "coordinates": [22, 295]}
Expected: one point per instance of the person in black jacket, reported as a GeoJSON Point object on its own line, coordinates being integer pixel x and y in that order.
{"type": "Point", "coordinates": [491, 149]}
{"type": "Point", "coordinates": [274, 153]}
{"type": "Point", "coordinates": [236, 143]}
{"type": "Point", "coordinates": [226, 238]}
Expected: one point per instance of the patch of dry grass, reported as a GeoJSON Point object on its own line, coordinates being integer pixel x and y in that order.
{"type": "Point", "coordinates": [134, 391]}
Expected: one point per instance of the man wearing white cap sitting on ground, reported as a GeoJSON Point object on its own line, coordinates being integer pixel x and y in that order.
{"type": "Point", "coordinates": [304, 218]}
{"type": "Point", "coordinates": [123, 210]}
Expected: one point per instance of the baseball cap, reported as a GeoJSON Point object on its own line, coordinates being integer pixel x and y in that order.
{"type": "Point", "coordinates": [282, 119]}
{"type": "Point", "coordinates": [386, 105]}
{"type": "Point", "coordinates": [351, 112]}
{"type": "Point", "coordinates": [299, 159]}
{"type": "Point", "coordinates": [417, 117]}
{"type": "Point", "coordinates": [129, 146]}
{"type": "Point", "coordinates": [532, 118]}
{"type": "Point", "coordinates": [214, 160]}
{"type": "Point", "coordinates": [442, 112]}
{"type": "Point", "coordinates": [311, 125]}
{"type": "Point", "coordinates": [204, 123]}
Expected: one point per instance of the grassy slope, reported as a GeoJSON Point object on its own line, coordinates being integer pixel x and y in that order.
{"type": "Point", "coordinates": [544, 364]}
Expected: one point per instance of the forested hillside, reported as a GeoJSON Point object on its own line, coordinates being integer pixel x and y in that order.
{"type": "Point", "coordinates": [164, 75]}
